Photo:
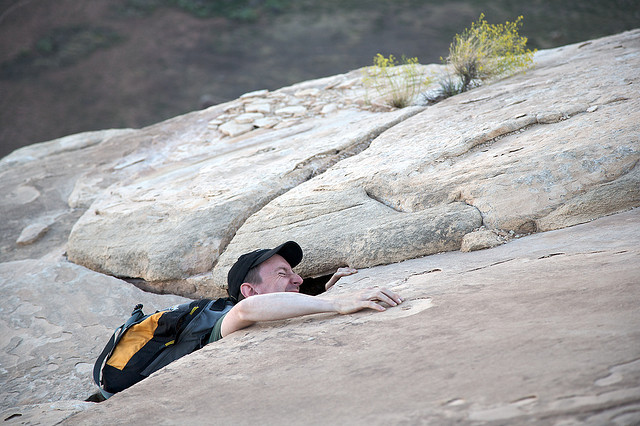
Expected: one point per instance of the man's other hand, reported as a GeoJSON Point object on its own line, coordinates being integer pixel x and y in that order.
{"type": "Point", "coordinates": [341, 272]}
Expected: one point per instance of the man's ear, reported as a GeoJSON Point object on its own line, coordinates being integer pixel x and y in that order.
{"type": "Point", "coordinates": [247, 290]}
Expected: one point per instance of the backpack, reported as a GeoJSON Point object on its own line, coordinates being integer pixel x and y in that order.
{"type": "Point", "coordinates": [146, 343]}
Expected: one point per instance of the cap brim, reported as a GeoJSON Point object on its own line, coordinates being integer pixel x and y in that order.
{"type": "Point", "coordinates": [290, 251]}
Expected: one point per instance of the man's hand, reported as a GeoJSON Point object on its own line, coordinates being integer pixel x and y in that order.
{"type": "Point", "coordinates": [341, 272]}
{"type": "Point", "coordinates": [372, 298]}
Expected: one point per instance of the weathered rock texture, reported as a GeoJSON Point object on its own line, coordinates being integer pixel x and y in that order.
{"type": "Point", "coordinates": [173, 224]}
{"type": "Point", "coordinates": [556, 146]}
{"type": "Point", "coordinates": [55, 318]}
{"type": "Point", "coordinates": [355, 185]}
{"type": "Point", "coordinates": [542, 330]}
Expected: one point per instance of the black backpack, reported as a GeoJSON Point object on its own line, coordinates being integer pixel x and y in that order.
{"type": "Point", "coordinates": [146, 343]}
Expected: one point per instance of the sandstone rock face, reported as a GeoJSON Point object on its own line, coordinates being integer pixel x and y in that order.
{"type": "Point", "coordinates": [542, 150]}
{"type": "Point", "coordinates": [356, 185]}
{"type": "Point", "coordinates": [55, 318]}
{"type": "Point", "coordinates": [481, 239]}
{"type": "Point", "coordinates": [72, 143]}
{"type": "Point", "coordinates": [541, 330]}
{"type": "Point", "coordinates": [356, 230]}
{"type": "Point", "coordinates": [35, 183]}
{"type": "Point", "coordinates": [174, 223]}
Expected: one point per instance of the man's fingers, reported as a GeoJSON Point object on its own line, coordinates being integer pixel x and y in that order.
{"type": "Point", "coordinates": [375, 306]}
{"type": "Point", "coordinates": [343, 272]}
{"type": "Point", "coordinates": [393, 295]}
{"type": "Point", "coordinates": [386, 299]}
{"type": "Point", "coordinates": [385, 295]}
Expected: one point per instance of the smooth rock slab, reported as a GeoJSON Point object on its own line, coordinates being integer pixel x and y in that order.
{"type": "Point", "coordinates": [356, 230]}
{"type": "Point", "coordinates": [524, 151]}
{"type": "Point", "coordinates": [174, 223]}
{"type": "Point", "coordinates": [48, 413]}
{"type": "Point", "coordinates": [541, 330]}
{"type": "Point", "coordinates": [55, 318]}
{"type": "Point", "coordinates": [233, 129]}
{"type": "Point", "coordinates": [258, 107]}
{"type": "Point", "coordinates": [291, 110]}
{"type": "Point", "coordinates": [32, 233]}
{"type": "Point", "coordinates": [62, 145]}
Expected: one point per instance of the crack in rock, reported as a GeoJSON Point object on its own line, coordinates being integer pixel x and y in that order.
{"type": "Point", "coordinates": [381, 201]}
{"type": "Point", "coordinates": [517, 125]}
{"type": "Point", "coordinates": [488, 266]}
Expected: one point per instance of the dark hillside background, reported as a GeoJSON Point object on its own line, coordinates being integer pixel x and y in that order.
{"type": "Point", "coordinates": [68, 66]}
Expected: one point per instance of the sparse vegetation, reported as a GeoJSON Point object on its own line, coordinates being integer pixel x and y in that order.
{"type": "Point", "coordinates": [290, 42]}
{"type": "Point", "coordinates": [480, 53]}
{"type": "Point", "coordinates": [484, 52]}
{"type": "Point", "coordinates": [396, 83]}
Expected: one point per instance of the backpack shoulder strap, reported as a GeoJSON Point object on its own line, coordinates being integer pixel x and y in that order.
{"type": "Point", "coordinates": [136, 316]}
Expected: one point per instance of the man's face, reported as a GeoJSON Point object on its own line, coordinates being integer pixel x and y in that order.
{"type": "Point", "coordinates": [277, 276]}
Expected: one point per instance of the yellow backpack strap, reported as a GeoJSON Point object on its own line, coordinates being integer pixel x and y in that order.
{"type": "Point", "coordinates": [136, 316]}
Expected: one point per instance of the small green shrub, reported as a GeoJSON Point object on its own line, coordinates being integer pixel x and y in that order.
{"type": "Point", "coordinates": [397, 83]}
{"type": "Point", "coordinates": [487, 51]}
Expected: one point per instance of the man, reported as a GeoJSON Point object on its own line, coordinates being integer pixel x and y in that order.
{"type": "Point", "coordinates": [266, 289]}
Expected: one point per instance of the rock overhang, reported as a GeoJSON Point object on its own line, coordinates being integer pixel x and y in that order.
{"type": "Point", "coordinates": [514, 152]}
{"type": "Point", "coordinates": [172, 223]}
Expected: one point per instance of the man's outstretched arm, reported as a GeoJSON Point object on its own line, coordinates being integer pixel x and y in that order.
{"type": "Point", "coordinates": [279, 306]}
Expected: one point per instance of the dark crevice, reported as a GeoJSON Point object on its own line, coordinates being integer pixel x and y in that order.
{"type": "Point", "coordinates": [13, 416]}
{"type": "Point", "coordinates": [96, 397]}
{"type": "Point", "coordinates": [551, 255]}
{"type": "Point", "coordinates": [314, 286]}
{"type": "Point", "coordinates": [140, 283]}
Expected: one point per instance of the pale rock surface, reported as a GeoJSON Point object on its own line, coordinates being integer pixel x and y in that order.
{"type": "Point", "coordinates": [542, 330]}
{"type": "Point", "coordinates": [267, 122]}
{"type": "Point", "coordinates": [259, 107]}
{"type": "Point", "coordinates": [254, 94]}
{"type": "Point", "coordinates": [233, 128]}
{"type": "Point", "coordinates": [62, 178]}
{"type": "Point", "coordinates": [55, 182]}
{"type": "Point", "coordinates": [52, 413]}
{"type": "Point", "coordinates": [62, 145]}
{"type": "Point", "coordinates": [172, 224]}
{"type": "Point", "coordinates": [481, 239]}
{"type": "Point", "coordinates": [248, 117]}
{"type": "Point", "coordinates": [523, 153]}
{"type": "Point", "coordinates": [35, 185]}
{"type": "Point", "coordinates": [329, 108]}
{"type": "Point", "coordinates": [355, 230]}
{"type": "Point", "coordinates": [622, 193]}
{"type": "Point", "coordinates": [291, 110]}
{"type": "Point", "coordinates": [55, 318]}
{"type": "Point", "coordinates": [32, 233]}
{"type": "Point", "coordinates": [551, 148]}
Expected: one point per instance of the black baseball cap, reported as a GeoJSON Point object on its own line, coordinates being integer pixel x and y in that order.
{"type": "Point", "coordinates": [290, 250]}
